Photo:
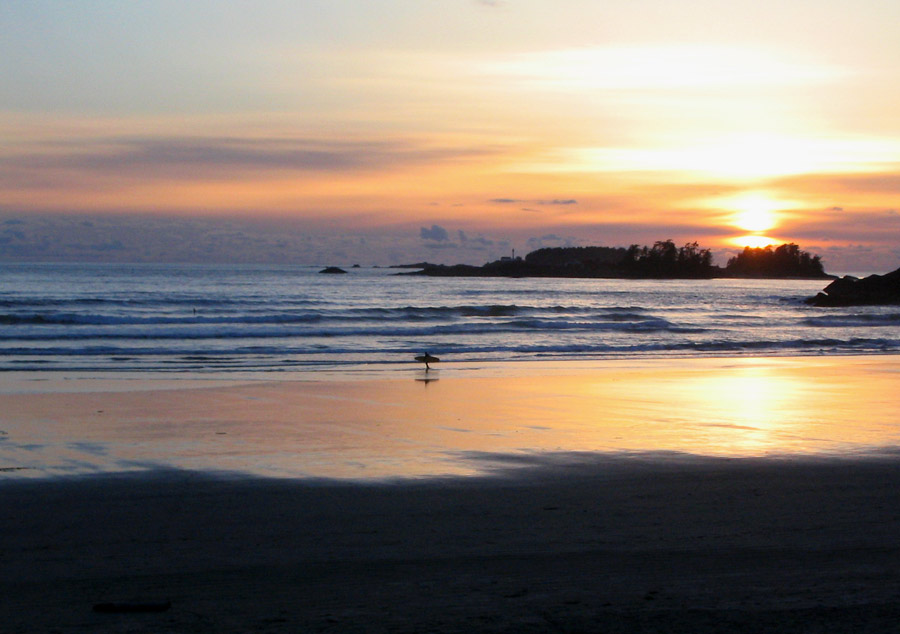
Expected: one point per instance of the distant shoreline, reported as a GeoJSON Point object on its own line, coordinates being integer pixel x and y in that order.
{"type": "Point", "coordinates": [469, 270]}
{"type": "Point", "coordinates": [664, 260]}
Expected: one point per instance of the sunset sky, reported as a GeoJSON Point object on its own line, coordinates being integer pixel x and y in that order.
{"type": "Point", "coordinates": [383, 131]}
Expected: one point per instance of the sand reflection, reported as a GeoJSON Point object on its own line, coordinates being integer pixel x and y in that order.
{"type": "Point", "coordinates": [388, 428]}
{"type": "Point", "coordinates": [741, 411]}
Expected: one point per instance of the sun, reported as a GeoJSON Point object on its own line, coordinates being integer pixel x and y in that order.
{"type": "Point", "coordinates": [754, 242]}
{"type": "Point", "coordinates": [755, 212]}
{"type": "Point", "coordinates": [758, 219]}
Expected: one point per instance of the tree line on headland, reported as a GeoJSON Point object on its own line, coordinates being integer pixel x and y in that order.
{"type": "Point", "coordinates": [663, 260]}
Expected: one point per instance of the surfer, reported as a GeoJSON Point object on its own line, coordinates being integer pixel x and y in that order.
{"type": "Point", "coordinates": [426, 359]}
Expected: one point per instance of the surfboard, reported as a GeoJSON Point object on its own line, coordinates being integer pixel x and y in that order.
{"type": "Point", "coordinates": [426, 358]}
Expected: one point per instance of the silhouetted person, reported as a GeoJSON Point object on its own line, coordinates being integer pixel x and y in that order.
{"type": "Point", "coordinates": [426, 359]}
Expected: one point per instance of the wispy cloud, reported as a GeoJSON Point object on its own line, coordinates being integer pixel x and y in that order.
{"type": "Point", "coordinates": [522, 201]}
{"type": "Point", "coordinates": [186, 157]}
{"type": "Point", "coordinates": [867, 226]}
{"type": "Point", "coordinates": [873, 183]}
{"type": "Point", "coordinates": [558, 201]}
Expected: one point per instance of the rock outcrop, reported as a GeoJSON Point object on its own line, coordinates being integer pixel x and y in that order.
{"type": "Point", "coordinates": [852, 291]}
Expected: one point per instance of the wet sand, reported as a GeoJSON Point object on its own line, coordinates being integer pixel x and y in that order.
{"type": "Point", "coordinates": [736, 545]}
{"type": "Point", "coordinates": [462, 421]}
{"type": "Point", "coordinates": [572, 537]}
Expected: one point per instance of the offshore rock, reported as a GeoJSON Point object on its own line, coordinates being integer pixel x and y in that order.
{"type": "Point", "coordinates": [332, 270]}
{"type": "Point", "coordinates": [852, 291]}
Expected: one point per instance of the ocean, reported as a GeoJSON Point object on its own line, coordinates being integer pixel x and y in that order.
{"type": "Point", "coordinates": [218, 318]}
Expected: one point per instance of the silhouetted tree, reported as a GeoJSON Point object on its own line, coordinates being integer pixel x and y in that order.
{"type": "Point", "coordinates": [786, 260]}
{"type": "Point", "coordinates": [664, 259]}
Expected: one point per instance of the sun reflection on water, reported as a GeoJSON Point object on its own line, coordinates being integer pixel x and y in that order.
{"type": "Point", "coordinates": [744, 410]}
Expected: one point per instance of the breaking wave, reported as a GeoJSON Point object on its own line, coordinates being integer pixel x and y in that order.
{"type": "Point", "coordinates": [58, 317]}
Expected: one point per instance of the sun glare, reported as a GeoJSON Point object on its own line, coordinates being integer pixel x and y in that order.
{"type": "Point", "coordinates": [755, 219]}
{"type": "Point", "coordinates": [754, 242]}
{"type": "Point", "coordinates": [754, 211]}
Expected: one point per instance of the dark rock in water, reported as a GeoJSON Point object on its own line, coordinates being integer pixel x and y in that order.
{"type": "Point", "coordinates": [852, 291]}
{"type": "Point", "coordinates": [333, 269]}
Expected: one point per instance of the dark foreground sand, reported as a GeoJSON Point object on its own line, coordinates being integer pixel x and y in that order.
{"type": "Point", "coordinates": [572, 543]}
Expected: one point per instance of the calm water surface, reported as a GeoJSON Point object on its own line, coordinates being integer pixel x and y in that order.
{"type": "Point", "coordinates": [219, 318]}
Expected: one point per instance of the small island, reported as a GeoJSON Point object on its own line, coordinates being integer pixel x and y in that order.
{"type": "Point", "coordinates": [332, 270]}
{"type": "Point", "coordinates": [663, 260]}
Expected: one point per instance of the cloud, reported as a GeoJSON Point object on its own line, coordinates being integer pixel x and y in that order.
{"type": "Point", "coordinates": [885, 183]}
{"type": "Point", "coordinates": [436, 233]}
{"type": "Point", "coordinates": [551, 240]}
{"type": "Point", "coordinates": [188, 157]}
{"type": "Point", "coordinates": [859, 259]}
{"type": "Point", "coordinates": [553, 201]}
{"type": "Point", "coordinates": [148, 238]}
{"type": "Point", "coordinates": [845, 225]}
{"type": "Point", "coordinates": [479, 242]}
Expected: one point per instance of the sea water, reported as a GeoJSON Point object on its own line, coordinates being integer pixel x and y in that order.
{"type": "Point", "coordinates": [198, 318]}
{"type": "Point", "coordinates": [70, 335]}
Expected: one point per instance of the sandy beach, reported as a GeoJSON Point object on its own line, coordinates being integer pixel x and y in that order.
{"type": "Point", "coordinates": [519, 504]}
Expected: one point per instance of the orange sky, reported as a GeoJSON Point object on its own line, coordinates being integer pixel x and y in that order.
{"type": "Point", "coordinates": [519, 123]}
